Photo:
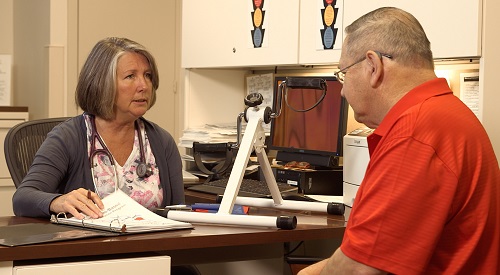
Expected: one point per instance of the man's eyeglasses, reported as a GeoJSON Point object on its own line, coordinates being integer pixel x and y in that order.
{"type": "Point", "coordinates": [340, 74]}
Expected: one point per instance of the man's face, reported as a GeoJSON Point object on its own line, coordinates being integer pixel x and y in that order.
{"type": "Point", "coordinates": [356, 89]}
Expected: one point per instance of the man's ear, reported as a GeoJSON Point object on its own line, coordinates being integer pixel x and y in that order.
{"type": "Point", "coordinates": [377, 68]}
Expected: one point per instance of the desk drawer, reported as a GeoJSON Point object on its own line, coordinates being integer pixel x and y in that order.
{"type": "Point", "coordinates": [153, 265]}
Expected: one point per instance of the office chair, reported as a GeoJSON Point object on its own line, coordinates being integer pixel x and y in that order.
{"type": "Point", "coordinates": [22, 142]}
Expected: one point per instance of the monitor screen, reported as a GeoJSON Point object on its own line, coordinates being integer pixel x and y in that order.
{"type": "Point", "coordinates": [318, 131]}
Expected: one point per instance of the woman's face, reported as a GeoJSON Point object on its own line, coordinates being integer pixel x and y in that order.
{"type": "Point", "coordinates": [134, 86]}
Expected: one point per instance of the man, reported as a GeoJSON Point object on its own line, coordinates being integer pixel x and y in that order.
{"type": "Point", "coordinates": [428, 203]}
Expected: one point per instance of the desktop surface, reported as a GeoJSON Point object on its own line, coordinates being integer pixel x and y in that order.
{"type": "Point", "coordinates": [182, 244]}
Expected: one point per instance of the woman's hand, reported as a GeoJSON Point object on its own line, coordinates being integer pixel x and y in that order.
{"type": "Point", "coordinates": [76, 201]}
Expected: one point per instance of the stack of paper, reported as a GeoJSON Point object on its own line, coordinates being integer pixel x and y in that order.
{"type": "Point", "coordinates": [210, 133]}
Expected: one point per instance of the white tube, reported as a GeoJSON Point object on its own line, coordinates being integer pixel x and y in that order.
{"type": "Point", "coordinates": [286, 204]}
{"type": "Point", "coordinates": [219, 218]}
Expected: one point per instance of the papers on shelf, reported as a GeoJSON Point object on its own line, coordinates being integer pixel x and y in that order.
{"type": "Point", "coordinates": [212, 133]}
{"type": "Point", "coordinates": [209, 133]}
{"type": "Point", "coordinates": [189, 177]}
{"type": "Point", "coordinates": [123, 214]}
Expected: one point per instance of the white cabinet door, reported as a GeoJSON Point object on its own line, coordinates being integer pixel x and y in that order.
{"type": "Point", "coordinates": [321, 31]}
{"type": "Point", "coordinates": [219, 34]}
{"type": "Point", "coordinates": [452, 26]}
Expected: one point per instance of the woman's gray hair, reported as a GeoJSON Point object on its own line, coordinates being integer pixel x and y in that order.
{"type": "Point", "coordinates": [391, 31]}
{"type": "Point", "coordinates": [96, 88]}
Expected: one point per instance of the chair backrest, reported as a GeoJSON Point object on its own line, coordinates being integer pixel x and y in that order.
{"type": "Point", "coordinates": [22, 142]}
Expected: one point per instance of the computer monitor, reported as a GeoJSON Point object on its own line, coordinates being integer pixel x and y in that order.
{"type": "Point", "coordinates": [314, 136]}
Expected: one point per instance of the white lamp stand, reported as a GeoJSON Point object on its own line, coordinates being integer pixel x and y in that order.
{"type": "Point", "coordinates": [253, 139]}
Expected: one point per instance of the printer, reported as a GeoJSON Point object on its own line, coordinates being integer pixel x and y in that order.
{"type": "Point", "coordinates": [356, 158]}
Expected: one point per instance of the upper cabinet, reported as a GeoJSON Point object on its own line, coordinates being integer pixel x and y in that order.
{"type": "Point", "coordinates": [452, 26]}
{"type": "Point", "coordinates": [252, 33]}
{"type": "Point", "coordinates": [229, 33]}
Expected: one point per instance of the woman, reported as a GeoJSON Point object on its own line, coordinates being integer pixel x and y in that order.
{"type": "Point", "coordinates": [110, 146]}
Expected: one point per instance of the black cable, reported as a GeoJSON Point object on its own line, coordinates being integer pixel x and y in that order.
{"type": "Point", "coordinates": [293, 250]}
{"type": "Point", "coordinates": [304, 110]}
{"type": "Point", "coordinates": [304, 83]}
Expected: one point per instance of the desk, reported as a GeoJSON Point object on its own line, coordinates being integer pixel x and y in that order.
{"type": "Point", "coordinates": [203, 244]}
{"type": "Point", "coordinates": [194, 197]}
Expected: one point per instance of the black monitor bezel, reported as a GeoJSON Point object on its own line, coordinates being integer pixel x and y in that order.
{"type": "Point", "coordinates": [342, 128]}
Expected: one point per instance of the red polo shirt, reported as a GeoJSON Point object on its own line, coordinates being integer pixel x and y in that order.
{"type": "Point", "coordinates": [429, 199]}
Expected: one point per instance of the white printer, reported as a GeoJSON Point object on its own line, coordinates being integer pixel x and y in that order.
{"type": "Point", "coordinates": [356, 158]}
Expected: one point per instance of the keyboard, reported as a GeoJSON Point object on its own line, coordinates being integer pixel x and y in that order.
{"type": "Point", "coordinates": [248, 188]}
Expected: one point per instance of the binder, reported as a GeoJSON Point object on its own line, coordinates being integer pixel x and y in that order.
{"type": "Point", "coordinates": [122, 214]}
{"type": "Point", "coordinates": [34, 233]}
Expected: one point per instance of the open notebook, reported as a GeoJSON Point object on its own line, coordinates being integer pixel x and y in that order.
{"type": "Point", "coordinates": [123, 214]}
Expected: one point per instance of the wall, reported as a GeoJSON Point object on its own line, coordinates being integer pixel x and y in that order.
{"type": "Point", "coordinates": [55, 59]}
{"type": "Point", "coordinates": [6, 27]}
{"type": "Point", "coordinates": [489, 80]}
{"type": "Point", "coordinates": [213, 96]}
{"type": "Point", "coordinates": [6, 30]}
{"type": "Point", "coordinates": [41, 54]}
{"type": "Point", "coordinates": [50, 40]}
{"type": "Point", "coordinates": [154, 25]}
{"type": "Point", "coordinates": [31, 35]}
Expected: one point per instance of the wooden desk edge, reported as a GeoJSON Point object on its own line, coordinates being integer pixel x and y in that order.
{"type": "Point", "coordinates": [201, 237]}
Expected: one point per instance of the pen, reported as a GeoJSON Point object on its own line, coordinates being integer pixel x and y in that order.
{"type": "Point", "coordinates": [178, 207]}
{"type": "Point", "coordinates": [206, 206]}
{"type": "Point", "coordinates": [214, 208]}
